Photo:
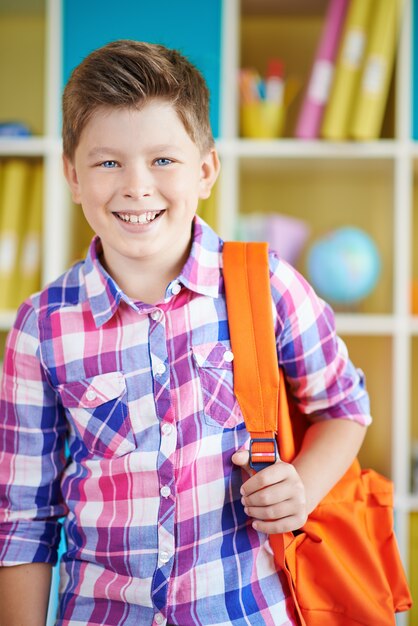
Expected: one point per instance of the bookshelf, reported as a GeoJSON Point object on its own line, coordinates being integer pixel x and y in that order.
{"type": "Point", "coordinates": [30, 72]}
{"type": "Point", "coordinates": [371, 184]}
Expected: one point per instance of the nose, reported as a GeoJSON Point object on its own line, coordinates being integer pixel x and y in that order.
{"type": "Point", "coordinates": [137, 182]}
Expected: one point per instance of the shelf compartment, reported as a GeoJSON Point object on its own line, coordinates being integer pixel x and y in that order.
{"type": "Point", "coordinates": [22, 67]}
{"type": "Point", "coordinates": [413, 569]}
{"type": "Point", "coordinates": [81, 233]}
{"type": "Point", "coordinates": [334, 193]}
{"type": "Point", "coordinates": [278, 35]}
{"type": "Point", "coordinates": [21, 224]}
{"type": "Point", "coordinates": [414, 419]}
{"type": "Point", "coordinates": [284, 7]}
{"type": "Point", "coordinates": [274, 30]}
{"type": "Point", "coordinates": [373, 356]}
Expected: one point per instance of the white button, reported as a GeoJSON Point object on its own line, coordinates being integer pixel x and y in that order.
{"type": "Point", "coordinates": [175, 288]}
{"type": "Point", "coordinates": [166, 428]}
{"type": "Point", "coordinates": [165, 491]}
{"type": "Point", "coordinates": [156, 315]}
{"type": "Point", "coordinates": [160, 369]}
{"type": "Point", "coordinates": [164, 557]}
{"type": "Point", "coordinates": [91, 395]}
{"type": "Point", "coordinates": [228, 356]}
{"type": "Point", "coordinates": [159, 618]}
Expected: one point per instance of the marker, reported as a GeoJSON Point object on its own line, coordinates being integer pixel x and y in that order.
{"type": "Point", "coordinates": [274, 81]}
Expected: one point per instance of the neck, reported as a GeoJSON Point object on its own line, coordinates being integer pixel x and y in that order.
{"type": "Point", "coordinates": [146, 279]}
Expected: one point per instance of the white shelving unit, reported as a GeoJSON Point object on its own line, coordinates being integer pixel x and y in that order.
{"type": "Point", "coordinates": [397, 154]}
{"type": "Point", "coordinates": [400, 153]}
{"type": "Point", "coordinates": [55, 234]}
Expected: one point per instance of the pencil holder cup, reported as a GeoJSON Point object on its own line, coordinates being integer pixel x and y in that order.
{"type": "Point", "coordinates": [262, 120]}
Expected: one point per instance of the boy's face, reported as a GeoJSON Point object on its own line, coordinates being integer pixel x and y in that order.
{"type": "Point", "coordinates": [138, 176]}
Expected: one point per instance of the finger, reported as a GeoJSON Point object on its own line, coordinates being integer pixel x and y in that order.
{"type": "Point", "coordinates": [278, 492]}
{"type": "Point", "coordinates": [242, 459]}
{"type": "Point", "coordinates": [273, 474]}
{"type": "Point", "coordinates": [274, 512]}
{"type": "Point", "coordinates": [283, 525]}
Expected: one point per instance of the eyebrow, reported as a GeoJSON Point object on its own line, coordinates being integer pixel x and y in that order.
{"type": "Point", "coordinates": [103, 150]}
{"type": "Point", "coordinates": [165, 148]}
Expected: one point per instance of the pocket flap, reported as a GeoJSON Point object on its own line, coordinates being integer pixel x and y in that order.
{"type": "Point", "coordinates": [216, 355]}
{"type": "Point", "coordinates": [92, 392]}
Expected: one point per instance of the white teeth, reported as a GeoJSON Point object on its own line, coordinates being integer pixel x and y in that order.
{"type": "Point", "coordinates": [143, 218]}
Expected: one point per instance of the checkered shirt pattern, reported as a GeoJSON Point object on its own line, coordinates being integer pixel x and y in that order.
{"type": "Point", "coordinates": [120, 418]}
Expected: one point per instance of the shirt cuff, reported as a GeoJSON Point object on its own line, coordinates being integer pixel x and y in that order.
{"type": "Point", "coordinates": [29, 542]}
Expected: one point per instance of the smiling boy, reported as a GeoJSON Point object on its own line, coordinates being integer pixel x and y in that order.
{"type": "Point", "coordinates": [139, 203]}
{"type": "Point", "coordinates": [126, 357]}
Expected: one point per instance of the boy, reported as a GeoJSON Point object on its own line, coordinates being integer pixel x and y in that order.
{"type": "Point", "coordinates": [127, 358]}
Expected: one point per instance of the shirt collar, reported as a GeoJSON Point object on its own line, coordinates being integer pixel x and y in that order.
{"type": "Point", "coordinates": [102, 291]}
{"type": "Point", "coordinates": [201, 273]}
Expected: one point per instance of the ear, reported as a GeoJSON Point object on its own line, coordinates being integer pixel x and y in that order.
{"type": "Point", "coordinates": [209, 170]}
{"type": "Point", "coordinates": [70, 174]}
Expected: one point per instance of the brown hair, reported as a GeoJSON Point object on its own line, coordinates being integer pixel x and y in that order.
{"type": "Point", "coordinates": [129, 73]}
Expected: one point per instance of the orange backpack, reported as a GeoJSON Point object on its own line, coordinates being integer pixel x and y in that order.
{"type": "Point", "coordinates": [343, 566]}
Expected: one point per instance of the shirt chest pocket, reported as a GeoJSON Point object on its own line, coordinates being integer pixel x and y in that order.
{"type": "Point", "coordinates": [215, 370]}
{"type": "Point", "coordinates": [98, 409]}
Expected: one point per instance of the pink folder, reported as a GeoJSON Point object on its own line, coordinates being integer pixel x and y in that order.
{"type": "Point", "coordinates": [320, 80]}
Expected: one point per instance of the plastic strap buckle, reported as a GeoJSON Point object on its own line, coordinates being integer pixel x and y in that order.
{"type": "Point", "coordinates": [263, 452]}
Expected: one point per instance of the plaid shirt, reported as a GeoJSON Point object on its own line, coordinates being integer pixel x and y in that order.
{"type": "Point", "coordinates": [143, 397]}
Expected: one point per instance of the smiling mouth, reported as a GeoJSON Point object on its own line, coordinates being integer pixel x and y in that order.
{"type": "Point", "coordinates": [139, 218]}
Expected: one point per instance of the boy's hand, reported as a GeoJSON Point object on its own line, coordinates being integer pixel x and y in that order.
{"type": "Point", "coordinates": [274, 496]}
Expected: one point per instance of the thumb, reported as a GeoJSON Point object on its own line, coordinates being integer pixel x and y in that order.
{"type": "Point", "coordinates": [242, 459]}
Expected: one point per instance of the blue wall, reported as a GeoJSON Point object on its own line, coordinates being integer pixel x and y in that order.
{"type": "Point", "coordinates": [192, 27]}
{"type": "Point", "coordinates": [415, 70]}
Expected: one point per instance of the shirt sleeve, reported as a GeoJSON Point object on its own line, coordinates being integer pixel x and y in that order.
{"type": "Point", "coordinates": [32, 450]}
{"type": "Point", "coordinates": [321, 377]}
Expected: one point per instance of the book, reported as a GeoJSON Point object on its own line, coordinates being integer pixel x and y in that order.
{"type": "Point", "coordinates": [369, 107]}
{"type": "Point", "coordinates": [13, 203]}
{"type": "Point", "coordinates": [413, 570]}
{"type": "Point", "coordinates": [319, 85]}
{"type": "Point", "coordinates": [351, 53]}
{"type": "Point", "coordinates": [29, 257]}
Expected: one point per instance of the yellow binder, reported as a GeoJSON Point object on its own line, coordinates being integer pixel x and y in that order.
{"type": "Point", "coordinates": [367, 117]}
{"type": "Point", "coordinates": [13, 204]}
{"type": "Point", "coordinates": [29, 266]}
{"type": "Point", "coordinates": [336, 121]}
{"type": "Point", "coordinates": [413, 570]}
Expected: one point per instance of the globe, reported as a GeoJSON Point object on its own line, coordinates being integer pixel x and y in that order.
{"type": "Point", "coordinates": [344, 266]}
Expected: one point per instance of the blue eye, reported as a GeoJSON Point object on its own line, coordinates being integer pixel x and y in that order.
{"type": "Point", "coordinates": [163, 162]}
{"type": "Point", "coordinates": [109, 164]}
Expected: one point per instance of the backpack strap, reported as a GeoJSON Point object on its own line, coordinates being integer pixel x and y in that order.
{"type": "Point", "coordinates": [258, 381]}
{"type": "Point", "coordinates": [256, 378]}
